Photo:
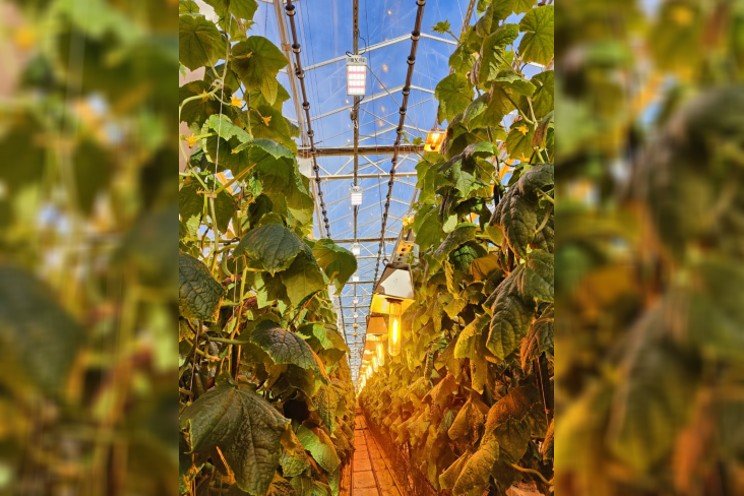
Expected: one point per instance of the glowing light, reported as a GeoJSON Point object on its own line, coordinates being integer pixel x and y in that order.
{"type": "Point", "coordinates": [380, 350]}
{"type": "Point", "coordinates": [394, 329]}
{"type": "Point", "coordinates": [356, 249]}
{"type": "Point", "coordinates": [434, 140]}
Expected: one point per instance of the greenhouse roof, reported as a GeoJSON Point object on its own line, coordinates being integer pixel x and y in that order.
{"type": "Point", "coordinates": [325, 33]}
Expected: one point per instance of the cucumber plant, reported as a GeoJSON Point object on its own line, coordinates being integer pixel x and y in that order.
{"type": "Point", "coordinates": [266, 393]}
{"type": "Point", "coordinates": [480, 418]}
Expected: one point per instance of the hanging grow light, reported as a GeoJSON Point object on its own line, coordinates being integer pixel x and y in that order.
{"type": "Point", "coordinates": [395, 331]}
{"type": "Point", "coordinates": [380, 351]}
{"type": "Point", "coordinates": [391, 296]}
{"type": "Point", "coordinates": [356, 75]}
{"type": "Point", "coordinates": [434, 140]}
{"type": "Point", "coordinates": [356, 249]}
{"type": "Point", "coordinates": [356, 196]}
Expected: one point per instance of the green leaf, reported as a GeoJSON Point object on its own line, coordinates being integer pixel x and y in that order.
{"type": "Point", "coordinates": [303, 278]}
{"type": "Point", "coordinates": [245, 427]}
{"type": "Point", "coordinates": [262, 149]}
{"type": "Point", "coordinates": [493, 57]}
{"type": "Point", "coordinates": [454, 93]}
{"type": "Point", "coordinates": [470, 418]}
{"type": "Point", "coordinates": [519, 141]}
{"type": "Point", "coordinates": [199, 41]}
{"type": "Point", "coordinates": [537, 41]}
{"type": "Point", "coordinates": [287, 348]}
{"type": "Point", "coordinates": [320, 446]}
{"type": "Point", "coordinates": [338, 263]}
{"type": "Point", "coordinates": [543, 98]}
{"type": "Point", "coordinates": [294, 460]}
{"type": "Point", "coordinates": [242, 9]}
{"type": "Point", "coordinates": [191, 203]}
{"type": "Point", "coordinates": [257, 61]}
{"type": "Point", "coordinates": [225, 129]}
{"type": "Point", "coordinates": [652, 403]}
{"type": "Point", "coordinates": [199, 295]}
{"type": "Point", "coordinates": [326, 402]}
{"type": "Point", "coordinates": [272, 247]}
{"type": "Point", "coordinates": [536, 280]}
{"type": "Point", "coordinates": [461, 235]}
{"type": "Point", "coordinates": [511, 318]}
{"type": "Point", "coordinates": [427, 227]}
{"type": "Point", "coordinates": [467, 339]}
{"type": "Point", "coordinates": [39, 340]}
{"type": "Point", "coordinates": [473, 479]}
{"type": "Point", "coordinates": [442, 27]}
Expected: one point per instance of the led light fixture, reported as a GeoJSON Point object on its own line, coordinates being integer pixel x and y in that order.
{"type": "Point", "coordinates": [356, 196]}
{"type": "Point", "coordinates": [356, 75]}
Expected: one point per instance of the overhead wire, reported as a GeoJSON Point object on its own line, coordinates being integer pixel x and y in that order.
{"type": "Point", "coordinates": [355, 125]}
{"type": "Point", "coordinates": [300, 74]}
{"type": "Point", "coordinates": [406, 91]}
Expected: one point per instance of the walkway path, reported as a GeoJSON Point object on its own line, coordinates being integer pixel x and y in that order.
{"type": "Point", "coordinates": [371, 472]}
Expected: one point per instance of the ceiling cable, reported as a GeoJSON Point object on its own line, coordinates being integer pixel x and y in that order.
{"type": "Point", "coordinates": [355, 122]}
{"type": "Point", "coordinates": [415, 36]}
{"type": "Point", "coordinates": [296, 48]}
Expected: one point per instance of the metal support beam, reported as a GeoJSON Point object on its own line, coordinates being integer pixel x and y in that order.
{"type": "Point", "coordinates": [345, 151]}
{"type": "Point", "coordinates": [382, 44]}
{"type": "Point", "coordinates": [366, 176]}
{"type": "Point", "coordinates": [364, 240]}
{"type": "Point", "coordinates": [377, 96]}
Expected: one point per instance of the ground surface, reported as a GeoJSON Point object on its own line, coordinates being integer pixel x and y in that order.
{"type": "Point", "coordinates": [371, 473]}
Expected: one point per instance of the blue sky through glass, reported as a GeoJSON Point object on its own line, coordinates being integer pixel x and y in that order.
{"type": "Point", "coordinates": [325, 32]}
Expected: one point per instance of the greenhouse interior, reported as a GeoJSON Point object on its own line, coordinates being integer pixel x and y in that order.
{"type": "Point", "coordinates": [366, 204]}
{"type": "Point", "coordinates": [360, 281]}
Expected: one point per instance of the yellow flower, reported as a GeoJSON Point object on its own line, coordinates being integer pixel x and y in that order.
{"type": "Point", "coordinates": [266, 120]}
{"type": "Point", "coordinates": [523, 129]}
{"type": "Point", "coordinates": [682, 15]}
{"type": "Point", "coordinates": [236, 102]}
{"type": "Point", "coordinates": [25, 37]}
{"type": "Point", "coordinates": [192, 140]}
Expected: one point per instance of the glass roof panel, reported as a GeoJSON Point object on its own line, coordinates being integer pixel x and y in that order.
{"type": "Point", "coordinates": [325, 33]}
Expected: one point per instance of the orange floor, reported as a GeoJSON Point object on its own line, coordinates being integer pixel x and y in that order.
{"type": "Point", "coordinates": [371, 474]}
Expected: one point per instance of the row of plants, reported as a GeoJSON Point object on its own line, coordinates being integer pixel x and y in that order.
{"type": "Point", "coordinates": [470, 394]}
{"type": "Point", "coordinates": [649, 328]}
{"type": "Point", "coordinates": [266, 392]}
{"type": "Point", "coordinates": [87, 237]}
